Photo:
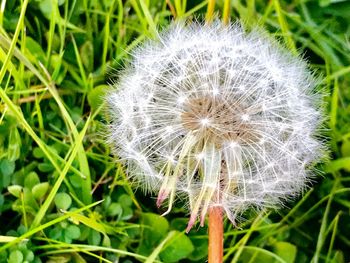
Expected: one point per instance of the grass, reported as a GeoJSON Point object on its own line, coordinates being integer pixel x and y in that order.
{"type": "Point", "coordinates": [64, 199]}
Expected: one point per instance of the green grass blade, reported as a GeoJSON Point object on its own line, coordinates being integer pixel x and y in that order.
{"type": "Point", "coordinates": [77, 146]}
{"type": "Point", "coordinates": [19, 27]}
{"type": "Point", "coordinates": [22, 121]}
{"type": "Point", "coordinates": [39, 228]}
{"type": "Point", "coordinates": [284, 27]}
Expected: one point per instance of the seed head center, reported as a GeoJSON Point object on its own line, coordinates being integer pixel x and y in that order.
{"type": "Point", "coordinates": [216, 119]}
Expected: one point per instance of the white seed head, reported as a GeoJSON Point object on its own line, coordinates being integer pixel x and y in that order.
{"type": "Point", "coordinates": [225, 117]}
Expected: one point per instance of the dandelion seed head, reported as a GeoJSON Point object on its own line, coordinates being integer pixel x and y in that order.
{"type": "Point", "coordinates": [218, 115]}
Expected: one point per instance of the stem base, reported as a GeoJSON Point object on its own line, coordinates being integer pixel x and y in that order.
{"type": "Point", "coordinates": [216, 235]}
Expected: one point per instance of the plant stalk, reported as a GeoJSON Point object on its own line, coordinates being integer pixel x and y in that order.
{"type": "Point", "coordinates": [210, 11]}
{"type": "Point", "coordinates": [216, 235]}
{"type": "Point", "coordinates": [226, 12]}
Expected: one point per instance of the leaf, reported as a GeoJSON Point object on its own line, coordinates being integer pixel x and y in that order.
{"type": "Point", "coordinates": [125, 200]}
{"type": "Point", "coordinates": [19, 176]}
{"type": "Point", "coordinates": [63, 201]}
{"type": "Point", "coordinates": [29, 256]}
{"type": "Point", "coordinates": [2, 201]}
{"type": "Point", "coordinates": [177, 248]}
{"type": "Point", "coordinates": [16, 256]}
{"type": "Point", "coordinates": [29, 201]}
{"type": "Point", "coordinates": [286, 251]}
{"type": "Point", "coordinates": [7, 167]}
{"type": "Point", "coordinates": [36, 53]}
{"type": "Point", "coordinates": [155, 229]}
{"type": "Point", "coordinates": [179, 223]}
{"type": "Point", "coordinates": [106, 242]}
{"type": "Point", "coordinates": [46, 7]}
{"type": "Point", "coordinates": [338, 257]}
{"type": "Point", "coordinates": [45, 167]}
{"type": "Point", "coordinates": [40, 190]}
{"type": "Point", "coordinates": [94, 238]}
{"type": "Point", "coordinates": [14, 145]}
{"type": "Point", "coordinates": [31, 180]}
{"type": "Point", "coordinates": [114, 209]}
{"type": "Point", "coordinates": [199, 239]}
{"type": "Point", "coordinates": [75, 180]}
{"type": "Point", "coordinates": [38, 153]}
{"type": "Point", "coordinates": [56, 233]}
{"type": "Point", "coordinates": [200, 248]}
{"type": "Point", "coordinates": [73, 232]}
{"type": "Point", "coordinates": [127, 213]}
{"type": "Point", "coordinates": [85, 53]}
{"type": "Point", "coordinates": [96, 96]}
{"type": "Point", "coordinates": [259, 255]}
{"type": "Point", "coordinates": [336, 165]}
{"type": "Point", "coordinates": [15, 190]}
{"type": "Point", "coordinates": [345, 150]}
{"type": "Point", "coordinates": [326, 3]}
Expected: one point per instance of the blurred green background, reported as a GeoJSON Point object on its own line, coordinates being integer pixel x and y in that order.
{"type": "Point", "coordinates": [64, 198]}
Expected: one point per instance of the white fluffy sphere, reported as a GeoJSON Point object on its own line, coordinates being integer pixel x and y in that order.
{"type": "Point", "coordinates": [224, 117]}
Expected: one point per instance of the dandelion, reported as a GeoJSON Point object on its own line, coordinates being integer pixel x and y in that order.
{"type": "Point", "coordinates": [223, 117]}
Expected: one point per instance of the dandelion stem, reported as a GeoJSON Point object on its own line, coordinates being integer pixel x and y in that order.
{"type": "Point", "coordinates": [216, 235]}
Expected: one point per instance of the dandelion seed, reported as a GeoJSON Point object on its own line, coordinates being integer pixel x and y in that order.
{"type": "Point", "coordinates": [236, 112]}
